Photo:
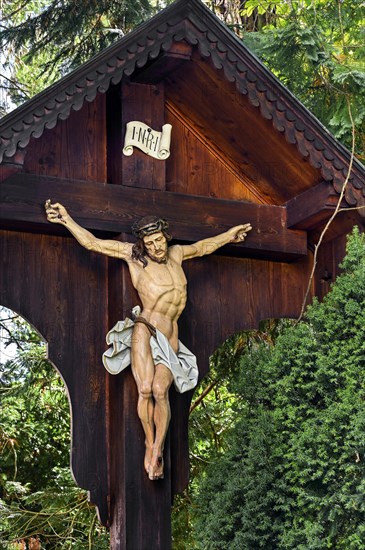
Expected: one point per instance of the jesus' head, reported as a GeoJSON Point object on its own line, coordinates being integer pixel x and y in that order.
{"type": "Point", "coordinates": [153, 238]}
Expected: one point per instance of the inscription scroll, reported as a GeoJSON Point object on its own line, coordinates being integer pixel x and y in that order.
{"type": "Point", "coordinates": [153, 143]}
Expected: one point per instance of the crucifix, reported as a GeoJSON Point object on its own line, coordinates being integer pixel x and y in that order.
{"type": "Point", "coordinates": [230, 161]}
{"type": "Point", "coordinates": [73, 297]}
{"type": "Point", "coordinates": [156, 355]}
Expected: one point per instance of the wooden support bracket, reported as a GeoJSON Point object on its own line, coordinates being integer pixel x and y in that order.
{"type": "Point", "coordinates": [312, 207]}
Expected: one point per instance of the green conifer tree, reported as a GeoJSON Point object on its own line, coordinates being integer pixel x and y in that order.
{"type": "Point", "coordinates": [294, 472]}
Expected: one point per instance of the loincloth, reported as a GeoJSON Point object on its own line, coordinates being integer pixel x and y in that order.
{"type": "Point", "coordinates": [117, 357]}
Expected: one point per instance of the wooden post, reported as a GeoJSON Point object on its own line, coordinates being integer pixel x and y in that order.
{"type": "Point", "coordinates": [140, 508]}
{"type": "Point", "coordinates": [145, 103]}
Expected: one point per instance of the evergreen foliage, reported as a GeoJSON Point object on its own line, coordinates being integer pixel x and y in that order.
{"type": "Point", "coordinates": [73, 30]}
{"type": "Point", "coordinates": [317, 49]}
{"type": "Point", "coordinates": [212, 415]}
{"type": "Point", "coordinates": [45, 39]}
{"type": "Point", "coordinates": [38, 497]}
{"type": "Point", "coordinates": [293, 474]}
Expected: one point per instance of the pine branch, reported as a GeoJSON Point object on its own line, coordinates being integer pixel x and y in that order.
{"type": "Point", "coordinates": [12, 337]}
{"type": "Point", "coordinates": [14, 85]}
{"type": "Point", "coordinates": [17, 10]}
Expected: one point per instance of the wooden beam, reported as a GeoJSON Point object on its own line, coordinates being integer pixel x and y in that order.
{"type": "Point", "coordinates": [12, 165]}
{"type": "Point", "coordinates": [312, 207]}
{"type": "Point", "coordinates": [113, 208]}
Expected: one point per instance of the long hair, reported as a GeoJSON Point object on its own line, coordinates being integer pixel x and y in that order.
{"type": "Point", "coordinates": [139, 251]}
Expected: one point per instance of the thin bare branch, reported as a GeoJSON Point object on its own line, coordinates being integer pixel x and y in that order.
{"type": "Point", "coordinates": [351, 208]}
{"type": "Point", "coordinates": [333, 216]}
{"type": "Point", "coordinates": [207, 390]}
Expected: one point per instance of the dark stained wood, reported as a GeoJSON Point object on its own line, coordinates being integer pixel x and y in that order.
{"type": "Point", "coordinates": [340, 226]}
{"type": "Point", "coordinates": [75, 148]}
{"type": "Point", "coordinates": [310, 208]}
{"type": "Point", "coordinates": [40, 278]}
{"type": "Point", "coordinates": [167, 62]}
{"type": "Point", "coordinates": [114, 133]}
{"type": "Point", "coordinates": [144, 103]}
{"type": "Point", "coordinates": [7, 170]}
{"type": "Point", "coordinates": [114, 208]}
{"type": "Point", "coordinates": [228, 121]}
{"type": "Point", "coordinates": [261, 290]}
{"type": "Point", "coordinates": [179, 439]}
{"type": "Point", "coordinates": [12, 165]}
{"type": "Point", "coordinates": [329, 258]}
{"type": "Point", "coordinates": [197, 168]}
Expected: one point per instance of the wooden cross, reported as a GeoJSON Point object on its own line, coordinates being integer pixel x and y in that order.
{"type": "Point", "coordinates": [73, 298]}
{"type": "Point", "coordinates": [219, 175]}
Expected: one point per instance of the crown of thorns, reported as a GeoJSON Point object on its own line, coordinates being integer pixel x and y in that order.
{"type": "Point", "coordinates": [148, 226]}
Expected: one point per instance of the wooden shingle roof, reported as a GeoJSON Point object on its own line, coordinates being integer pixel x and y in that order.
{"type": "Point", "coordinates": [190, 21]}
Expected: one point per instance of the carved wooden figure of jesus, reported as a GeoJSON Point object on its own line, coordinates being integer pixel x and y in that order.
{"type": "Point", "coordinates": [157, 357]}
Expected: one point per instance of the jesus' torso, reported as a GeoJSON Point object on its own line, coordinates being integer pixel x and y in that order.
{"type": "Point", "coordinates": [162, 291]}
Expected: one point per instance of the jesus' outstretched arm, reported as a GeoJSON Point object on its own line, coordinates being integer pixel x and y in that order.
{"type": "Point", "coordinates": [57, 213]}
{"type": "Point", "coordinates": [235, 234]}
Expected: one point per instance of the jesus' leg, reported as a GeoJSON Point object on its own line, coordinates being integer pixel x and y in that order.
{"type": "Point", "coordinates": [160, 389]}
{"type": "Point", "coordinates": [143, 371]}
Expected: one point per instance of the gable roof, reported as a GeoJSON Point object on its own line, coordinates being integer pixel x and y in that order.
{"type": "Point", "coordinates": [190, 21]}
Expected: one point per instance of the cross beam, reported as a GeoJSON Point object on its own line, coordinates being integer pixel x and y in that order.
{"type": "Point", "coordinates": [113, 208]}
{"type": "Point", "coordinates": [312, 207]}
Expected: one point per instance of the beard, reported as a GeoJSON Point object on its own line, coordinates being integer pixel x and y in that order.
{"type": "Point", "coordinates": [158, 259]}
